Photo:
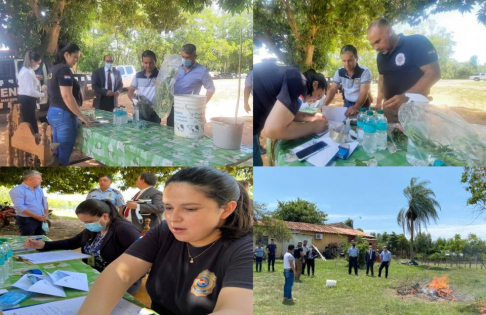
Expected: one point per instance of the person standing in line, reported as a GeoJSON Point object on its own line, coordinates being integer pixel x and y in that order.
{"type": "Point", "coordinates": [305, 249]}
{"type": "Point", "coordinates": [311, 256]}
{"type": "Point", "coordinates": [353, 253]}
{"type": "Point", "coordinates": [386, 257]}
{"type": "Point", "coordinates": [370, 258]}
{"type": "Point", "coordinates": [271, 250]}
{"type": "Point", "coordinates": [298, 254]}
{"type": "Point", "coordinates": [289, 273]}
{"type": "Point", "coordinates": [259, 254]}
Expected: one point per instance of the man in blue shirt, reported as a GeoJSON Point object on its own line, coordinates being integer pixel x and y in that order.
{"type": "Point", "coordinates": [407, 64]}
{"type": "Point", "coordinates": [271, 249]}
{"type": "Point", "coordinates": [259, 254]}
{"type": "Point", "coordinates": [353, 253]}
{"type": "Point", "coordinates": [385, 257]}
{"type": "Point", "coordinates": [106, 192]}
{"type": "Point", "coordinates": [30, 204]}
{"type": "Point", "coordinates": [191, 77]}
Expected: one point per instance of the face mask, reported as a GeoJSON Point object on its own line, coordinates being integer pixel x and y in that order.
{"type": "Point", "coordinates": [186, 63]}
{"type": "Point", "coordinates": [45, 226]}
{"type": "Point", "coordinates": [94, 227]}
{"type": "Point", "coordinates": [108, 66]}
{"type": "Point", "coordinates": [36, 67]}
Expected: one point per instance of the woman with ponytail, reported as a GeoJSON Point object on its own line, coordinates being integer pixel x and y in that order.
{"type": "Point", "coordinates": [106, 236]}
{"type": "Point", "coordinates": [199, 258]}
{"type": "Point", "coordinates": [64, 112]}
{"type": "Point", "coordinates": [277, 93]}
{"type": "Point", "coordinates": [29, 88]}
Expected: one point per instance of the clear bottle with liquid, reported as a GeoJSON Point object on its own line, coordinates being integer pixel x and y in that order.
{"type": "Point", "coordinates": [360, 122]}
{"type": "Point", "coordinates": [369, 138]}
{"type": "Point", "coordinates": [381, 127]}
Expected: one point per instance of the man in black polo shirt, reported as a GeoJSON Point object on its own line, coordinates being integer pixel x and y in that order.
{"type": "Point", "coordinates": [407, 64]}
{"type": "Point", "coordinates": [271, 249]}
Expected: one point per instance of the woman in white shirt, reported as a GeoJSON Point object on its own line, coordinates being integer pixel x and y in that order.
{"type": "Point", "coordinates": [29, 88]}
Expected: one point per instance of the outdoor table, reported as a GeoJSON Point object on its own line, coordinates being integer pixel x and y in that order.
{"type": "Point", "coordinates": [150, 144]}
{"type": "Point", "coordinates": [283, 157]}
{"type": "Point", "coordinates": [71, 265]}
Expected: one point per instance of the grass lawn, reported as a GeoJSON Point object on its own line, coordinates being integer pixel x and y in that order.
{"type": "Point", "coordinates": [366, 295]}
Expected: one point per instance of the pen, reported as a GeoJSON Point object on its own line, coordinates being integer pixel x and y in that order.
{"type": "Point", "coordinates": [37, 239]}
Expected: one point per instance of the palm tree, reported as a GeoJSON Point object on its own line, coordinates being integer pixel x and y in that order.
{"type": "Point", "coordinates": [422, 207]}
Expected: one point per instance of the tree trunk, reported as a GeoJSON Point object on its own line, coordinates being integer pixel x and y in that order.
{"type": "Point", "coordinates": [411, 242]}
{"type": "Point", "coordinates": [50, 41]}
{"type": "Point", "coordinates": [309, 54]}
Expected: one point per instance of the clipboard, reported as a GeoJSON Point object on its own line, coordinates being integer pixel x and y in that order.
{"type": "Point", "coordinates": [52, 256]}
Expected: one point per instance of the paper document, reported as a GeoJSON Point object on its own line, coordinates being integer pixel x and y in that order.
{"type": "Point", "coordinates": [54, 256]}
{"type": "Point", "coordinates": [68, 279]}
{"type": "Point", "coordinates": [39, 284]}
{"type": "Point", "coordinates": [71, 307]}
{"type": "Point", "coordinates": [323, 157]}
{"type": "Point", "coordinates": [334, 113]}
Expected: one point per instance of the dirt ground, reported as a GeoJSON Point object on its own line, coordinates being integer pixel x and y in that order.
{"type": "Point", "coordinates": [222, 104]}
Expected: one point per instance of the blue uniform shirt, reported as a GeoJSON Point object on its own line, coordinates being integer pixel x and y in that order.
{"type": "Point", "coordinates": [385, 256]}
{"type": "Point", "coordinates": [259, 251]}
{"type": "Point", "coordinates": [24, 198]}
{"type": "Point", "coordinates": [145, 85]}
{"type": "Point", "coordinates": [113, 195]}
{"type": "Point", "coordinates": [353, 251]}
{"type": "Point", "coordinates": [271, 249]}
{"type": "Point", "coordinates": [190, 82]}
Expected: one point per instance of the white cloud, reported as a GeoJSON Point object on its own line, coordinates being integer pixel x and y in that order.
{"type": "Point", "coordinates": [449, 230]}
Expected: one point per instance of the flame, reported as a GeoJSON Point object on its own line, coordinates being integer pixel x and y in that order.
{"type": "Point", "coordinates": [441, 286]}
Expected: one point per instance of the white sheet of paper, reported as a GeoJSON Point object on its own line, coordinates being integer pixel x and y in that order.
{"type": "Point", "coordinates": [53, 256]}
{"type": "Point", "coordinates": [71, 306]}
{"type": "Point", "coordinates": [323, 157]}
{"type": "Point", "coordinates": [3, 291]}
{"type": "Point", "coordinates": [43, 286]}
{"type": "Point", "coordinates": [335, 113]}
{"type": "Point", "coordinates": [68, 279]}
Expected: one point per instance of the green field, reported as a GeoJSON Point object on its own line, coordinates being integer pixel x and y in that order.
{"type": "Point", "coordinates": [366, 295]}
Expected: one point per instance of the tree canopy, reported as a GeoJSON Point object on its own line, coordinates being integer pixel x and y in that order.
{"type": "Point", "coordinates": [299, 211]}
{"type": "Point", "coordinates": [475, 180]}
{"type": "Point", "coordinates": [79, 180]}
{"type": "Point", "coordinates": [265, 225]}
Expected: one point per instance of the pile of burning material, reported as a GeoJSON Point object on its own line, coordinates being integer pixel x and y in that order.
{"type": "Point", "coordinates": [437, 290]}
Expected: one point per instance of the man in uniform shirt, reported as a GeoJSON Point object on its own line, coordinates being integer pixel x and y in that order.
{"type": "Point", "coordinates": [353, 253]}
{"type": "Point", "coordinates": [385, 257]}
{"type": "Point", "coordinates": [370, 258]}
{"type": "Point", "coordinates": [106, 192]}
{"type": "Point", "coordinates": [146, 204]}
{"type": "Point", "coordinates": [271, 250]}
{"type": "Point", "coordinates": [259, 254]}
{"type": "Point", "coordinates": [144, 82]}
{"type": "Point", "coordinates": [355, 80]}
{"type": "Point", "coordinates": [298, 254]}
{"type": "Point", "coordinates": [30, 204]}
{"type": "Point", "coordinates": [407, 64]}
{"type": "Point", "coordinates": [190, 78]}
{"type": "Point", "coordinates": [107, 84]}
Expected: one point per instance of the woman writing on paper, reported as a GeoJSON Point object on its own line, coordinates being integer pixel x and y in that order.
{"type": "Point", "coordinates": [200, 258]}
{"type": "Point", "coordinates": [106, 237]}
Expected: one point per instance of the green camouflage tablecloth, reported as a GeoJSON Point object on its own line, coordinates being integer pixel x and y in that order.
{"type": "Point", "coordinates": [283, 156]}
{"type": "Point", "coordinates": [71, 265]}
{"type": "Point", "coordinates": [150, 144]}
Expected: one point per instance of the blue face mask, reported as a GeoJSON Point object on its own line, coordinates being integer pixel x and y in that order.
{"type": "Point", "coordinates": [108, 66]}
{"type": "Point", "coordinates": [186, 63]}
{"type": "Point", "coordinates": [94, 227]}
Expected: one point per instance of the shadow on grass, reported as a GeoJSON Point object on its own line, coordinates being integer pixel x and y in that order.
{"type": "Point", "coordinates": [434, 268]}
{"type": "Point", "coordinates": [287, 302]}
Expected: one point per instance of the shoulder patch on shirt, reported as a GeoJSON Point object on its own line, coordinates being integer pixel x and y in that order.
{"type": "Point", "coordinates": [93, 190]}
{"type": "Point", "coordinates": [49, 76]}
{"type": "Point", "coordinates": [67, 77]}
{"type": "Point", "coordinates": [204, 284]}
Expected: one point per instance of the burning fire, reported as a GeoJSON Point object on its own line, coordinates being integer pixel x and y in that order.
{"type": "Point", "coordinates": [441, 286]}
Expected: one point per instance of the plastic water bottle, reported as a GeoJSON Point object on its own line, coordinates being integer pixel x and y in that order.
{"type": "Point", "coordinates": [3, 267]}
{"type": "Point", "coordinates": [114, 115]}
{"type": "Point", "coordinates": [360, 123]}
{"type": "Point", "coordinates": [9, 255]}
{"type": "Point", "coordinates": [136, 113]}
{"type": "Point", "coordinates": [381, 127]}
{"type": "Point", "coordinates": [369, 138]}
{"type": "Point", "coordinates": [118, 117]}
{"type": "Point", "coordinates": [123, 115]}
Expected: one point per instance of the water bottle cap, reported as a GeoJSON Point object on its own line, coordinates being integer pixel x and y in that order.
{"type": "Point", "coordinates": [370, 113]}
{"type": "Point", "coordinates": [362, 109]}
{"type": "Point", "coordinates": [372, 108]}
{"type": "Point", "coordinates": [380, 111]}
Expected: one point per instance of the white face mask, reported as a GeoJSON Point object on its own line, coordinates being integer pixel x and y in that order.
{"type": "Point", "coordinates": [36, 67]}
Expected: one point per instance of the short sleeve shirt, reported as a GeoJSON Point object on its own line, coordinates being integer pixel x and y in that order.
{"type": "Point", "coordinates": [259, 252]}
{"type": "Point", "coordinates": [272, 248]}
{"type": "Point", "coordinates": [297, 252]}
{"type": "Point", "coordinates": [61, 75]}
{"type": "Point", "coordinates": [249, 80]}
{"type": "Point", "coordinates": [146, 84]}
{"type": "Point", "coordinates": [352, 84]}
{"type": "Point", "coordinates": [287, 258]}
{"type": "Point", "coordinates": [401, 67]}
{"type": "Point", "coordinates": [353, 251]}
{"type": "Point", "coordinates": [114, 195]}
{"type": "Point", "coordinates": [177, 286]}
{"type": "Point", "coordinates": [272, 83]}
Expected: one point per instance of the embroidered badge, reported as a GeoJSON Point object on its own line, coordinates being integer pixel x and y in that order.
{"type": "Point", "coordinates": [49, 76]}
{"type": "Point", "coordinates": [110, 195]}
{"type": "Point", "coordinates": [400, 59]}
{"type": "Point", "coordinates": [154, 79]}
{"type": "Point", "coordinates": [204, 284]}
{"type": "Point", "coordinates": [356, 81]}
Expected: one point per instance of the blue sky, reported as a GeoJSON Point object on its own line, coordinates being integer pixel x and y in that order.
{"type": "Point", "coordinates": [374, 194]}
